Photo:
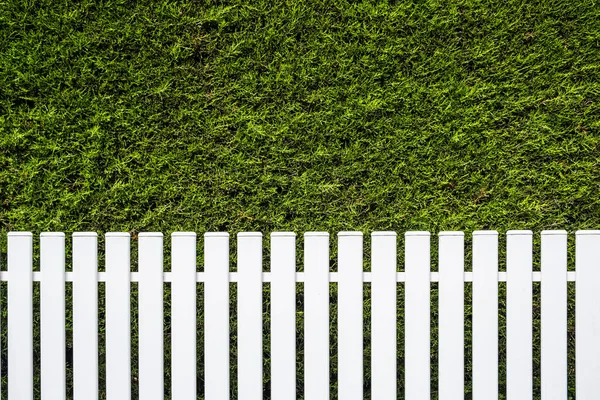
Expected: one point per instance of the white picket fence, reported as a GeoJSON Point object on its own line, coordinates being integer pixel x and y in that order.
{"type": "Point", "coordinates": [384, 276]}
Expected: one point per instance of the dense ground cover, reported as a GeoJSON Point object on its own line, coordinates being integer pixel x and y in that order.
{"type": "Point", "coordinates": [299, 115]}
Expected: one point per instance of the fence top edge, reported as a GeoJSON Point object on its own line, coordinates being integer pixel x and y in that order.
{"type": "Point", "coordinates": [117, 234]}
{"type": "Point", "coordinates": [484, 233]}
{"type": "Point", "coordinates": [216, 234]}
{"type": "Point", "coordinates": [384, 233]}
{"type": "Point", "coordinates": [183, 234]}
{"type": "Point", "coordinates": [150, 234]}
{"type": "Point", "coordinates": [28, 234]}
{"type": "Point", "coordinates": [249, 234]}
{"type": "Point", "coordinates": [316, 234]}
{"type": "Point", "coordinates": [52, 234]}
{"type": "Point", "coordinates": [558, 232]}
{"type": "Point", "coordinates": [350, 233]}
{"type": "Point", "coordinates": [85, 234]}
{"type": "Point", "coordinates": [519, 232]}
{"type": "Point", "coordinates": [451, 233]}
{"type": "Point", "coordinates": [283, 234]}
{"type": "Point", "coordinates": [417, 233]}
{"type": "Point", "coordinates": [587, 232]}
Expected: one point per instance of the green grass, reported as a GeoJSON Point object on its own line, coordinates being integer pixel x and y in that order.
{"type": "Point", "coordinates": [299, 115]}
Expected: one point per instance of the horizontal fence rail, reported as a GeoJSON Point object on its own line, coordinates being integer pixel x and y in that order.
{"type": "Point", "coordinates": [536, 276]}
{"type": "Point", "coordinates": [413, 278]}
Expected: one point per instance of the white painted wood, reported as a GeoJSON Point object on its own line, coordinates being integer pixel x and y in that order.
{"type": "Point", "coordinates": [350, 315]}
{"type": "Point", "coordinates": [216, 315]}
{"type": "Point", "coordinates": [451, 320]}
{"type": "Point", "coordinates": [118, 316]}
{"type": "Point", "coordinates": [383, 315]}
{"type": "Point", "coordinates": [150, 316]}
{"type": "Point", "coordinates": [417, 343]}
{"type": "Point", "coordinates": [52, 309]}
{"type": "Point", "coordinates": [587, 315]}
{"type": "Point", "coordinates": [283, 315]}
{"type": "Point", "coordinates": [85, 316]}
{"type": "Point", "coordinates": [485, 315]}
{"type": "Point", "coordinates": [266, 276]}
{"type": "Point", "coordinates": [316, 316]}
{"type": "Point", "coordinates": [20, 314]}
{"type": "Point", "coordinates": [554, 315]}
{"type": "Point", "coordinates": [249, 305]}
{"type": "Point", "coordinates": [519, 337]}
{"type": "Point", "coordinates": [183, 316]}
{"type": "Point", "coordinates": [451, 278]}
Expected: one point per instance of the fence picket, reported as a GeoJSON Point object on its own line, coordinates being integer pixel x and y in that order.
{"type": "Point", "coordinates": [383, 315]}
{"type": "Point", "coordinates": [519, 337]}
{"type": "Point", "coordinates": [183, 316]}
{"type": "Point", "coordinates": [554, 315]}
{"type": "Point", "coordinates": [216, 315]}
{"type": "Point", "coordinates": [20, 314]}
{"type": "Point", "coordinates": [587, 315]}
{"type": "Point", "coordinates": [150, 316]}
{"type": "Point", "coordinates": [451, 316]}
{"type": "Point", "coordinates": [417, 341]}
{"type": "Point", "coordinates": [52, 309]}
{"type": "Point", "coordinates": [118, 316]}
{"type": "Point", "coordinates": [485, 315]}
{"type": "Point", "coordinates": [249, 307]}
{"type": "Point", "coordinates": [283, 315]}
{"type": "Point", "coordinates": [85, 316]}
{"type": "Point", "coordinates": [350, 315]}
{"type": "Point", "coordinates": [316, 315]}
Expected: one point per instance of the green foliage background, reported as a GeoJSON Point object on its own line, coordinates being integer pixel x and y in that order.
{"type": "Point", "coordinates": [298, 115]}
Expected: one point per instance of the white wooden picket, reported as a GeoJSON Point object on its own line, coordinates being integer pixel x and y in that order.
{"type": "Point", "coordinates": [85, 316]}
{"type": "Point", "coordinates": [316, 316]}
{"type": "Point", "coordinates": [183, 316]}
{"type": "Point", "coordinates": [519, 329]}
{"type": "Point", "coordinates": [215, 279]}
{"type": "Point", "coordinates": [451, 315]}
{"type": "Point", "coordinates": [118, 317]}
{"type": "Point", "coordinates": [383, 315]}
{"type": "Point", "coordinates": [52, 304]}
{"type": "Point", "coordinates": [417, 340]}
{"type": "Point", "coordinates": [216, 316]}
{"type": "Point", "coordinates": [587, 319]}
{"type": "Point", "coordinates": [249, 308]}
{"type": "Point", "coordinates": [350, 315]}
{"type": "Point", "coordinates": [283, 315]}
{"type": "Point", "coordinates": [150, 316]}
{"type": "Point", "coordinates": [20, 314]}
{"type": "Point", "coordinates": [485, 315]}
{"type": "Point", "coordinates": [554, 315]}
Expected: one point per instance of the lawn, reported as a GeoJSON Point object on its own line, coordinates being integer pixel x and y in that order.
{"type": "Point", "coordinates": [298, 115]}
